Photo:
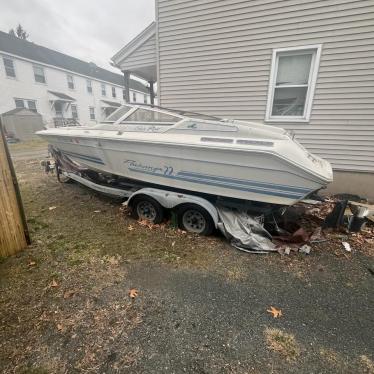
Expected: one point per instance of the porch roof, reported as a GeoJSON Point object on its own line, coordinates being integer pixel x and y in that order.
{"type": "Point", "coordinates": [111, 104]}
{"type": "Point", "coordinates": [138, 57]}
{"type": "Point", "coordinates": [59, 96]}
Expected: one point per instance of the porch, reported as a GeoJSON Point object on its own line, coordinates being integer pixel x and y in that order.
{"type": "Point", "coordinates": [138, 58]}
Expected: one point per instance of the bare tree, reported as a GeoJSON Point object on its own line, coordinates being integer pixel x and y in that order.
{"type": "Point", "coordinates": [20, 32]}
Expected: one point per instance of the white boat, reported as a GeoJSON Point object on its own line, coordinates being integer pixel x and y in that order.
{"type": "Point", "coordinates": [198, 153]}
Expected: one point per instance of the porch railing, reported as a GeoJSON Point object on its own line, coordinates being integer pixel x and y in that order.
{"type": "Point", "coordinates": [63, 122]}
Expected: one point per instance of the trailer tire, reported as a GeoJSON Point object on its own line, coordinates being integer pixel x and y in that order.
{"type": "Point", "coordinates": [145, 207]}
{"type": "Point", "coordinates": [194, 218]}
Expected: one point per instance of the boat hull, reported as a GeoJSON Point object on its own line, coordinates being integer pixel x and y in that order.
{"type": "Point", "coordinates": [246, 175]}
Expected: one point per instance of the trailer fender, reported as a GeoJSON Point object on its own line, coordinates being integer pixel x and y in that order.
{"type": "Point", "coordinates": [170, 200]}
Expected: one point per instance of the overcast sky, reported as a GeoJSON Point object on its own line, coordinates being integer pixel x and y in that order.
{"type": "Point", "coordinates": [91, 30]}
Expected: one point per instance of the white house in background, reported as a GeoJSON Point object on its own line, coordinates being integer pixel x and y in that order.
{"type": "Point", "coordinates": [306, 66]}
{"type": "Point", "coordinates": [61, 88]}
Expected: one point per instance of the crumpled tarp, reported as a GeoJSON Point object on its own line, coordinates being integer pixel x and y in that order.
{"type": "Point", "coordinates": [244, 232]}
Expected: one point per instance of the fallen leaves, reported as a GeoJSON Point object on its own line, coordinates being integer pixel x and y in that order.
{"type": "Point", "coordinates": [150, 225]}
{"type": "Point", "coordinates": [130, 227]}
{"type": "Point", "coordinates": [133, 293]}
{"type": "Point", "coordinates": [59, 327]}
{"type": "Point", "coordinates": [69, 293]}
{"type": "Point", "coordinates": [54, 283]}
{"type": "Point", "coordinates": [275, 312]}
{"type": "Point", "coordinates": [31, 263]}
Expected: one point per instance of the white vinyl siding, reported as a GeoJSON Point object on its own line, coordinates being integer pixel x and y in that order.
{"type": "Point", "coordinates": [215, 57]}
{"type": "Point", "coordinates": [145, 55]}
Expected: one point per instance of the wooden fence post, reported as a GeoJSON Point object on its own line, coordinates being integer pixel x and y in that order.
{"type": "Point", "coordinates": [14, 235]}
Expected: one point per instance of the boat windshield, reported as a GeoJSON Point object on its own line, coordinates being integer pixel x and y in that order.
{"type": "Point", "coordinates": [142, 115]}
{"type": "Point", "coordinates": [187, 113]}
{"type": "Point", "coordinates": [120, 112]}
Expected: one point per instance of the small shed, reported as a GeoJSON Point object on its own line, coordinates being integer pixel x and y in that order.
{"type": "Point", "coordinates": [22, 123]}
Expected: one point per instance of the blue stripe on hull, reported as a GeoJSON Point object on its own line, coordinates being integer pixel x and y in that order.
{"type": "Point", "coordinates": [93, 159]}
{"type": "Point", "coordinates": [245, 182]}
{"type": "Point", "coordinates": [290, 195]}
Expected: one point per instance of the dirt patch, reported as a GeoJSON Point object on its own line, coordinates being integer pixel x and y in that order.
{"type": "Point", "coordinates": [283, 343]}
{"type": "Point", "coordinates": [29, 145]}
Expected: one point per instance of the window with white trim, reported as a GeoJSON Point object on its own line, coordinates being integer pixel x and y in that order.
{"type": "Point", "coordinates": [70, 80]}
{"type": "Point", "coordinates": [103, 89]}
{"type": "Point", "coordinates": [39, 74]}
{"type": "Point", "coordinates": [92, 113]}
{"type": "Point", "coordinates": [31, 104]}
{"type": "Point", "coordinates": [145, 99]}
{"type": "Point", "coordinates": [134, 97]}
{"type": "Point", "coordinates": [20, 103]}
{"type": "Point", "coordinates": [25, 103]}
{"type": "Point", "coordinates": [10, 71]}
{"type": "Point", "coordinates": [292, 81]}
{"type": "Point", "coordinates": [74, 111]}
{"type": "Point", "coordinates": [114, 94]}
{"type": "Point", "coordinates": [89, 86]}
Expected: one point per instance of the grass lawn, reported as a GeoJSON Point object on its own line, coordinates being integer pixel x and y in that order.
{"type": "Point", "coordinates": [201, 305]}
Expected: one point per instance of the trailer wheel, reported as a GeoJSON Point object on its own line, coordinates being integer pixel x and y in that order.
{"type": "Point", "coordinates": [147, 208]}
{"type": "Point", "coordinates": [194, 218]}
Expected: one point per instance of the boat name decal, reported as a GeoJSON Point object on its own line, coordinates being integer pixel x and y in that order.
{"type": "Point", "coordinates": [137, 166]}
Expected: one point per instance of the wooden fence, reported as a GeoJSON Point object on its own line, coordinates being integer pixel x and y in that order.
{"type": "Point", "coordinates": [13, 229]}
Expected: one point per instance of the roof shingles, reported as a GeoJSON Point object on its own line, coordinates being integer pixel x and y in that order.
{"type": "Point", "coordinates": [23, 48]}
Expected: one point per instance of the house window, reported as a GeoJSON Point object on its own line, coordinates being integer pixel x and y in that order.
{"type": "Point", "coordinates": [89, 86]}
{"type": "Point", "coordinates": [134, 97]}
{"type": "Point", "coordinates": [103, 89]}
{"type": "Point", "coordinates": [70, 82]}
{"type": "Point", "coordinates": [145, 99]}
{"type": "Point", "coordinates": [31, 104]}
{"type": "Point", "coordinates": [92, 113]}
{"type": "Point", "coordinates": [114, 94]}
{"type": "Point", "coordinates": [19, 103]}
{"type": "Point", "coordinates": [74, 111]}
{"type": "Point", "coordinates": [9, 67]}
{"type": "Point", "coordinates": [124, 94]}
{"type": "Point", "coordinates": [39, 74]}
{"type": "Point", "coordinates": [25, 103]}
{"type": "Point", "coordinates": [292, 82]}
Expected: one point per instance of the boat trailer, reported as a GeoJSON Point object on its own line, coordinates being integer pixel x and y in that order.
{"type": "Point", "coordinates": [198, 214]}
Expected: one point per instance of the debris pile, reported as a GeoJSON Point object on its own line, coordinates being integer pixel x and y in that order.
{"type": "Point", "coordinates": [327, 222]}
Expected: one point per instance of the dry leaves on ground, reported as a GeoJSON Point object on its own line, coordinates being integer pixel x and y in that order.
{"type": "Point", "coordinates": [133, 293]}
{"type": "Point", "coordinates": [275, 312]}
